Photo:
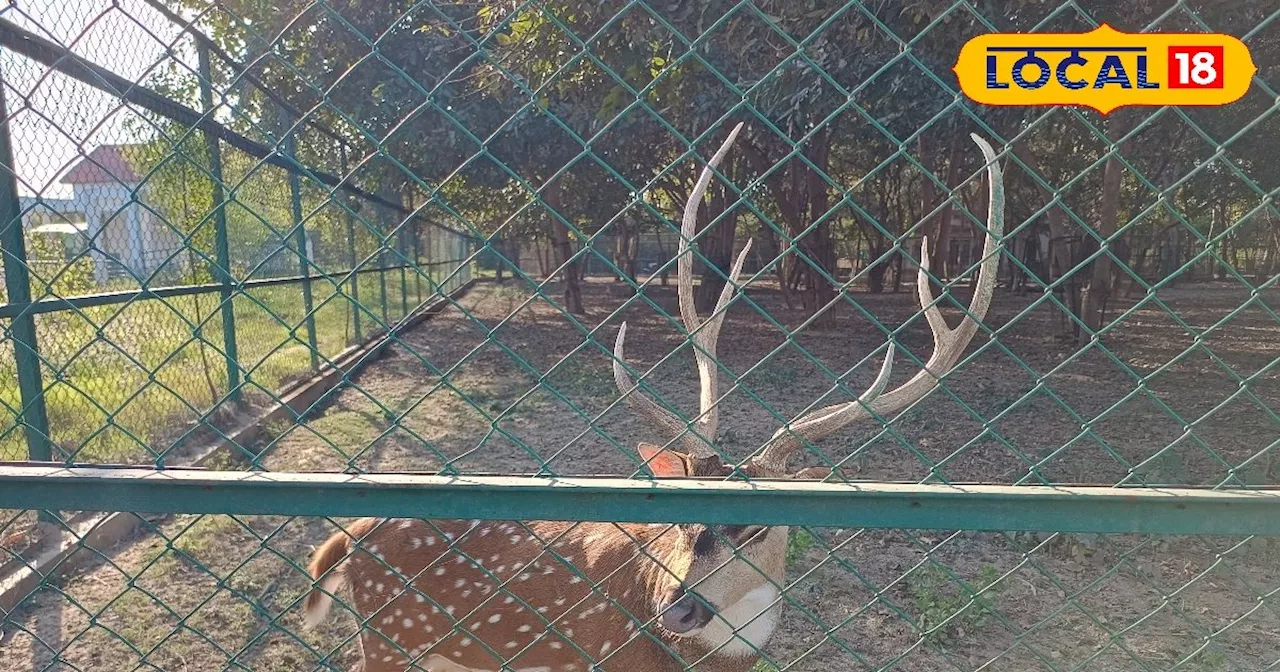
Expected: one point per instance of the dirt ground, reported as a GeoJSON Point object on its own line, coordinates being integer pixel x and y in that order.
{"type": "Point", "coordinates": [1186, 397]}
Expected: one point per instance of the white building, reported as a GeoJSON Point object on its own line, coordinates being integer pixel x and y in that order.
{"type": "Point", "coordinates": [104, 217]}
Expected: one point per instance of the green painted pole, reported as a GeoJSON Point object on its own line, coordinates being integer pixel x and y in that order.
{"type": "Point", "coordinates": [352, 259]}
{"type": "Point", "coordinates": [402, 241]}
{"type": "Point", "coordinates": [32, 416]}
{"type": "Point", "coordinates": [222, 251]}
{"type": "Point", "coordinates": [417, 261]}
{"type": "Point", "coordinates": [382, 274]}
{"type": "Point", "coordinates": [300, 240]}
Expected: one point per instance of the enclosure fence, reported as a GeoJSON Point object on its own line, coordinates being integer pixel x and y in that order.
{"type": "Point", "coordinates": [270, 268]}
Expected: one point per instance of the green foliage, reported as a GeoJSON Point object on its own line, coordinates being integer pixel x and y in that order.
{"type": "Point", "coordinates": [945, 609]}
{"type": "Point", "coordinates": [798, 543]}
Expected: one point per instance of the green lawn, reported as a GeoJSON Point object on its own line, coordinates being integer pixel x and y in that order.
{"type": "Point", "coordinates": [124, 380]}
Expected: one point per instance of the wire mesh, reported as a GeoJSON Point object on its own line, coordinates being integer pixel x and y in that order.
{"type": "Point", "coordinates": [279, 184]}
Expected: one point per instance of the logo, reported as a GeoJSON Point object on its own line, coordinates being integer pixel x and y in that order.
{"type": "Point", "coordinates": [1104, 69]}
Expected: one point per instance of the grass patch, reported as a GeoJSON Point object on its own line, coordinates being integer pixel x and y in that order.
{"type": "Point", "coordinates": [940, 600]}
{"type": "Point", "coordinates": [121, 378]}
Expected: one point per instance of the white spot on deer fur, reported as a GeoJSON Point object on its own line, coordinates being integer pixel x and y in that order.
{"type": "Point", "coordinates": [457, 654]}
{"type": "Point", "coordinates": [501, 569]}
{"type": "Point", "coordinates": [459, 583]}
{"type": "Point", "coordinates": [422, 616]}
{"type": "Point", "coordinates": [387, 620]}
{"type": "Point", "coordinates": [524, 628]}
{"type": "Point", "coordinates": [440, 571]}
{"type": "Point", "coordinates": [568, 632]}
{"type": "Point", "coordinates": [508, 599]}
{"type": "Point", "coordinates": [462, 559]}
{"type": "Point", "coordinates": [495, 618]}
{"type": "Point", "coordinates": [408, 622]}
{"type": "Point", "coordinates": [386, 659]}
{"type": "Point", "coordinates": [417, 597]}
{"type": "Point", "coordinates": [560, 602]}
{"type": "Point", "coordinates": [604, 648]}
{"type": "Point", "coordinates": [449, 610]}
{"type": "Point", "coordinates": [494, 557]}
{"type": "Point", "coordinates": [466, 593]}
{"type": "Point", "coordinates": [516, 567]}
{"type": "Point", "coordinates": [379, 587]}
{"type": "Point", "coordinates": [542, 610]}
{"type": "Point", "coordinates": [415, 542]}
{"type": "Point", "coordinates": [548, 570]}
{"type": "Point", "coordinates": [540, 668]}
{"type": "Point", "coordinates": [373, 548]}
{"type": "Point", "coordinates": [450, 536]}
{"type": "Point", "coordinates": [475, 626]}
{"type": "Point", "coordinates": [575, 579]}
{"type": "Point", "coordinates": [406, 524]}
{"type": "Point", "coordinates": [368, 583]}
{"type": "Point", "coordinates": [511, 645]}
{"type": "Point", "coordinates": [515, 538]}
{"type": "Point", "coordinates": [466, 641]}
{"type": "Point", "coordinates": [631, 625]}
{"type": "Point", "coordinates": [555, 645]}
{"type": "Point", "coordinates": [525, 576]}
{"type": "Point", "coordinates": [430, 541]}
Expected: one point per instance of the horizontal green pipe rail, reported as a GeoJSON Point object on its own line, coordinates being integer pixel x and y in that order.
{"type": "Point", "coordinates": [1096, 509]}
{"type": "Point", "coordinates": [57, 303]}
{"type": "Point", "coordinates": [59, 58]}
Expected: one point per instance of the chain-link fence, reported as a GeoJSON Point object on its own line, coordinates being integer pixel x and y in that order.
{"type": "Point", "coordinates": [239, 249]}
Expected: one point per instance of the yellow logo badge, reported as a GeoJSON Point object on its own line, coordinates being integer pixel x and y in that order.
{"type": "Point", "coordinates": [1104, 69]}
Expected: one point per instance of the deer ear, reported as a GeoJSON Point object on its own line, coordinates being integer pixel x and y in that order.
{"type": "Point", "coordinates": [664, 463]}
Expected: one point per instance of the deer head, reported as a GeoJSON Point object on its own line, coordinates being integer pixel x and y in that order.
{"type": "Point", "coordinates": [700, 458]}
{"type": "Point", "coordinates": [541, 596]}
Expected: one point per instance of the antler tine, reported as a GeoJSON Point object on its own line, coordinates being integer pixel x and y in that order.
{"type": "Point", "coordinates": [948, 344]}
{"type": "Point", "coordinates": [704, 333]}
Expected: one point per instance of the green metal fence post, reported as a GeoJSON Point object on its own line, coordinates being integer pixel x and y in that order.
{"type": "Point", "coordinates": [222, 270]}
{"type": "Point", "coordinates": [354, 302]}
{"type": "Point", "coordinates": [382, 262]}
{"type": "Point", "coordinates": [402, 242]}
{"type": "Point", "coordinates": [417, 261]}
{"type": "Point", "coordinates": [300, 240]}
{"type": "Point", "coordinates": [32, 415]}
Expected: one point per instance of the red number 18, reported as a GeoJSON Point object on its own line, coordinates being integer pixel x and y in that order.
{"type": "Point", "coordinates": [1195, 67]}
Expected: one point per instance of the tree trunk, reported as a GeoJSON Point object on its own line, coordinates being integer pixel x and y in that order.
{"type": "Point", "coordinates": [940, 261]}
{"type": "Point", "coordinates": [715, 247]}
{"type": "Point", "coordinates": [564, 252]}
{"type": "Point", "coordinates": [499, 247]}
{"type": "Point", "coordinates": [1060, 261]}
{"type": "Point", "coordinates": [1094, 300]}
{"type": "Point", "coordinates": [663, 258]}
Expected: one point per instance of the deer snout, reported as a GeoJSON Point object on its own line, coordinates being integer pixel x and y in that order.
{"type": "Point", "coordinates": [684, 612]}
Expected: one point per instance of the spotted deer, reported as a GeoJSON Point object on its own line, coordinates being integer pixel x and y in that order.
{"type": "Point", "coordinates": [464, 596]}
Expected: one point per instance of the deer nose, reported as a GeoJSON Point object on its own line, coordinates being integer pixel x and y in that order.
{"type": "Point", "coordinates": [685, 613]}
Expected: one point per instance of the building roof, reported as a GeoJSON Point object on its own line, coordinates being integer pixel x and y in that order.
{"type": "Point", "coordinates": [106, 164]}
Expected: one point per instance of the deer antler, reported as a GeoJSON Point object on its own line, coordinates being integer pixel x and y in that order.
{"type": "Point", "coordinates": [948, 345]}
{"type": "Point", "coordinates": [704, 332]}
